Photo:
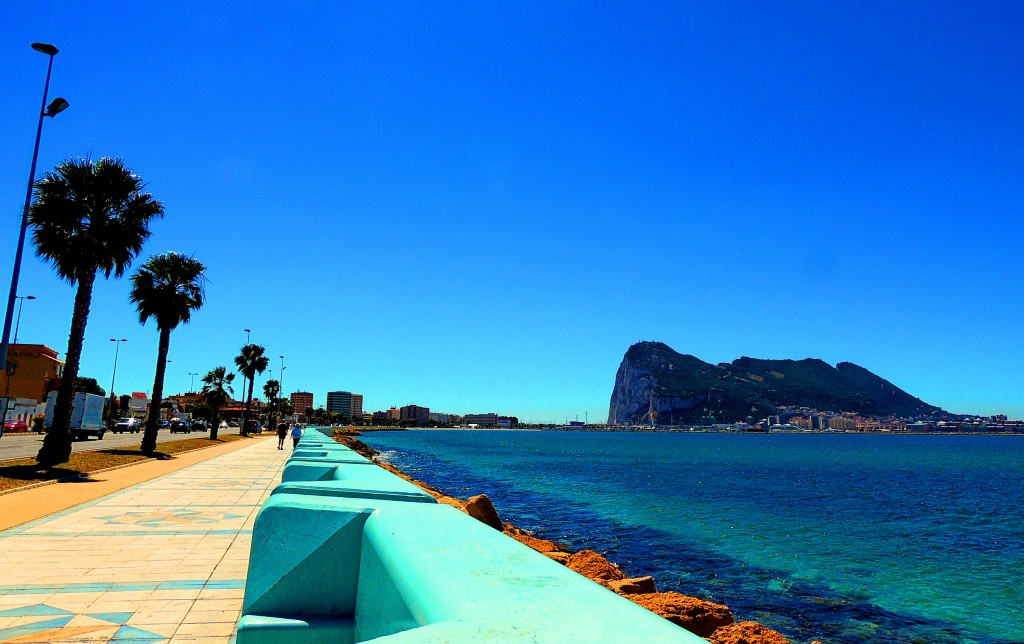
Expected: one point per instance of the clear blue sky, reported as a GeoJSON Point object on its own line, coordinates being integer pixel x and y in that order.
{"type": "Point", "coordinates": [479, 208]}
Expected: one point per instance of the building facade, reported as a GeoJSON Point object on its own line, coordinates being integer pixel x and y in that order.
{"type": "Point", "coordinates": [418, 415]}
{"type": "Point", "coordinates": [301, 401]}
{"type": "Point", "coordinates": [357, 406]}
{"type": "Point", "coordinates": [35, 372]}
{"type": "Point", "coordinates": [481, 420]}
{"type": "Point", "coordinates": [340, 402]}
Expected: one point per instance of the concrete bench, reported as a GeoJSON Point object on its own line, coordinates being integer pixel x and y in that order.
{"type": "Point", "coordinates": [351, 480]}
{"type": "Point", "coordinates": [352, 570]}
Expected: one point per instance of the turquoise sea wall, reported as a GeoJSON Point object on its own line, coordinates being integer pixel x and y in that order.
{"type": "Point", "coordinates": [846, 538]}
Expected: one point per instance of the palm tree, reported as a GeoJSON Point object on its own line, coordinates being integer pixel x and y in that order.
{"type": "Point", "coordinates": [217, 391]}
{"type": "Point", "coordinates": [167, 288]}
{"type": "Point", "coordinates": [88, 218]}
{"type": "Point", "coordinates": [250, 362]}
{"type": "Point", "coordinates": [272, 390]}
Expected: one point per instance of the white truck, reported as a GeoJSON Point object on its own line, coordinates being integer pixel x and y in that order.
{"type": "Point", "coordinates": [86, 416]}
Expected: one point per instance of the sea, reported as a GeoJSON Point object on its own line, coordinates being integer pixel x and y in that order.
{"type": "Point", "coordinates": [834, 537]}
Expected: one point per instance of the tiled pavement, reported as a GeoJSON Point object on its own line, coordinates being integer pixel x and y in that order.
{"type": "Point", "coordinates": [163, 561]}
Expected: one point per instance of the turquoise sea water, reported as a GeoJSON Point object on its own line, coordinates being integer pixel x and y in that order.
{"type": "Point", "coordinates": [843, 538]}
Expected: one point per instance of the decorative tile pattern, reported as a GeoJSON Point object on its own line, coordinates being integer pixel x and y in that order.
{"type": "Point", "coordinates": [164, 560]}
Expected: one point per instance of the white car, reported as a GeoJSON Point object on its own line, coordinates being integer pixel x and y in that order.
{"type": "Point", "coordinates": [127, 425]}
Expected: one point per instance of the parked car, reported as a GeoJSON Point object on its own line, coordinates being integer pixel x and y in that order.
{"type": "Point", "coordinates": [233, 423]}
{"type": "Point", "coordinates": [180, 426]}
{"type": "Point", "coordinates": [200, 426]}
{"type": "Point", "coordinates": [163, 424]}
{"type": "Point", "coordinates": [253, 427]}
{"type": "Point", "coordinates": [14, 426]}
{"type": "Point", "coordinates": [132, 425]}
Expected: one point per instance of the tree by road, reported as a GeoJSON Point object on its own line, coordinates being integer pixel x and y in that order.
{"type": "Point", "coordinates": [88, 218]}
{"type": "Point", "coordinates": [167, 288]}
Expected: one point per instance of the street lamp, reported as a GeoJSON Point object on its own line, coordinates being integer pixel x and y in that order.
{"type": "Point", "coordinates": [192, 387]}
{"type": "Point", "coordinates": [56, 107]}
{"type": "Point", "coordinates": [281, 379]}
{"type": "Point", "coordinates": [21, 301]}
{"type": "Point", "coordinates": [117, 349]}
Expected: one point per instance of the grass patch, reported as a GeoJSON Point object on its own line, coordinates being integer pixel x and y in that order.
{"type": "Point", "coordinates": [25, 471]}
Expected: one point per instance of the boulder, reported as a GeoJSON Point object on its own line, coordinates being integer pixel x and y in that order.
{"type": "Point", "coordinates": [632, 586]}
{"type": "Point", "coordinates": [747, 633]}
{"type": "Point", "coordinates": [695, 615]}
{"type": "Point", "coordinates": [525, 538]}
{"type": "Point", "coordinates": [480, 508]}
{"type": "Point", "coordinates": [593, 566]}
{"type": "Point", "coordinates": [560, 557]}
{"type": "Point", "coordinates": [456, 503]}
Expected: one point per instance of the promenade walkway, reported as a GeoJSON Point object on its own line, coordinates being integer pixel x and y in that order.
{"type": "Point", "coordinates": [159, 561]}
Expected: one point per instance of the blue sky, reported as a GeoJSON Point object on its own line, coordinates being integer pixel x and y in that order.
{"type": "Point", "coordinates": [479, 206]}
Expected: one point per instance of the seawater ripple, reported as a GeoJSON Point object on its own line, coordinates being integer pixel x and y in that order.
{"type": "Point", "coordinates": [617, 496]}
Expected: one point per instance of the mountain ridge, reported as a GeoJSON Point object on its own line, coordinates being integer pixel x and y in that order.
{"type": "Point", "coordinates": [656, 384]}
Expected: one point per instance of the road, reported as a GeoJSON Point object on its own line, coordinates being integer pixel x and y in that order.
{"type": "Point", "coordinates": [27, 445]}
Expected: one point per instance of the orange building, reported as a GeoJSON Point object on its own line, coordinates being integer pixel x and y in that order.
{"type": "Point", "coordinates": [35, 372]}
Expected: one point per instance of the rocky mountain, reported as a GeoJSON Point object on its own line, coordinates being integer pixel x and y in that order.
{"type": "Point", "coordinates": [654, 382]}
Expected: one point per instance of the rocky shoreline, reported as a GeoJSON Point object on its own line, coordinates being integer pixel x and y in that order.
{"type": "Point", "coordinates": [714, 622]}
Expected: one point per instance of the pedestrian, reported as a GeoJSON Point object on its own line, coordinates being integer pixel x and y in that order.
{"type": "Point", "coordinates": [282, 433]}
{"type": "Point", "coordinates": [296, 435]}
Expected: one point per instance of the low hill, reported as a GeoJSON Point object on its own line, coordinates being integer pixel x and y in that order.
{"type": "Point", "coordinates": [654, 382]}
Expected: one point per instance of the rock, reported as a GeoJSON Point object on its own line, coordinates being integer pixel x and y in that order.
{"type": "Point", "coordinates": [525, 538]}
{"type": "Point", "coordinates": [632, 586]}
{"type": "Point", "coordinates": [456, 503]}
{"type": "Point", "coordinates": [560, 557]}
{"type": "Point", "coordinates": [747, 633]}
{"type": "Point", "coordinates": [593, 566]}
{"type": "Point", "coordinates": [695, 615]}
{"type": "Point", "coordinates": [480, 508]}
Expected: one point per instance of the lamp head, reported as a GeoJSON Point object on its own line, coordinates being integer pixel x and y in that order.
{"type": "Point", "coordinates": [30, 297]}
{"type": "Point", "coordinates": [56, 106]}
{"type": "Point", "coordinates": [45, 48]}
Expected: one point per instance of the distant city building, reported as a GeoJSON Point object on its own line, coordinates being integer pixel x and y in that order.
{"type": "Point", "coordinates": [394, 413]}
{"type": "Point", "coordinates": [139, 404]}
{"type": "Point", "coordinates": [481, 420]}
{"type": "Point", "coordinates": [301, 401]}
{"type": "Point", "coordinates": [418, 415]}
{"type": "Point", "coordinates": [844, 424]}
{"type": "Point", "coordinates": [340, 402]}
{"type": "Point", "coordinates": [441, 419]}
{"type": "Point", "coordinates": [357, 406]}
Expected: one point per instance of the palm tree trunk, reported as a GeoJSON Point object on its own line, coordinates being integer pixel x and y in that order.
{"type": "Point", "coordinates": [56, 447]}
{"type": "Point", "coordinates": [248, 404]}
{"type": "Point", "coordinates": [214, 423]}
{"type": "Point", "coordinates": [152, 426]}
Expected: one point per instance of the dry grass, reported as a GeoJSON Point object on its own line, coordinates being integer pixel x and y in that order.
{"type": "Point", "coordinates": [25, 471]}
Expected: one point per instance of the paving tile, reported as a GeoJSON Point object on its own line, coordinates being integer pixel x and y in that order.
{"type": "Point", "coordinates": [161, 557]}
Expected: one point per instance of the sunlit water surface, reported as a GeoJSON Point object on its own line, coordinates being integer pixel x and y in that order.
{"type": "Point", "coordinates": [845, 538]}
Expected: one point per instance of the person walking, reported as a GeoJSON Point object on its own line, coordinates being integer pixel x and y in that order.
{"type": "Point", "coordinates": [282, 433]}
{"type": "Point", "coordinates": [296, 435]}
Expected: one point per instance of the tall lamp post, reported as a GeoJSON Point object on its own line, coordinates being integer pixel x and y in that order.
{"type": "Point", "coordinates": [17, 325]}
{"type": "Point", "coordinates": [117, 350]}
{"type": "Point", "coordinates": [56, 107]}
{"type": "Point", "coordinates": [192, 387]}
{"type": "Point", "coordinates": [281, 379]}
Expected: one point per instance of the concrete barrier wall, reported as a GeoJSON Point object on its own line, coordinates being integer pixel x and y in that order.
{"type": "Point", "coordinates": [344, 551]}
